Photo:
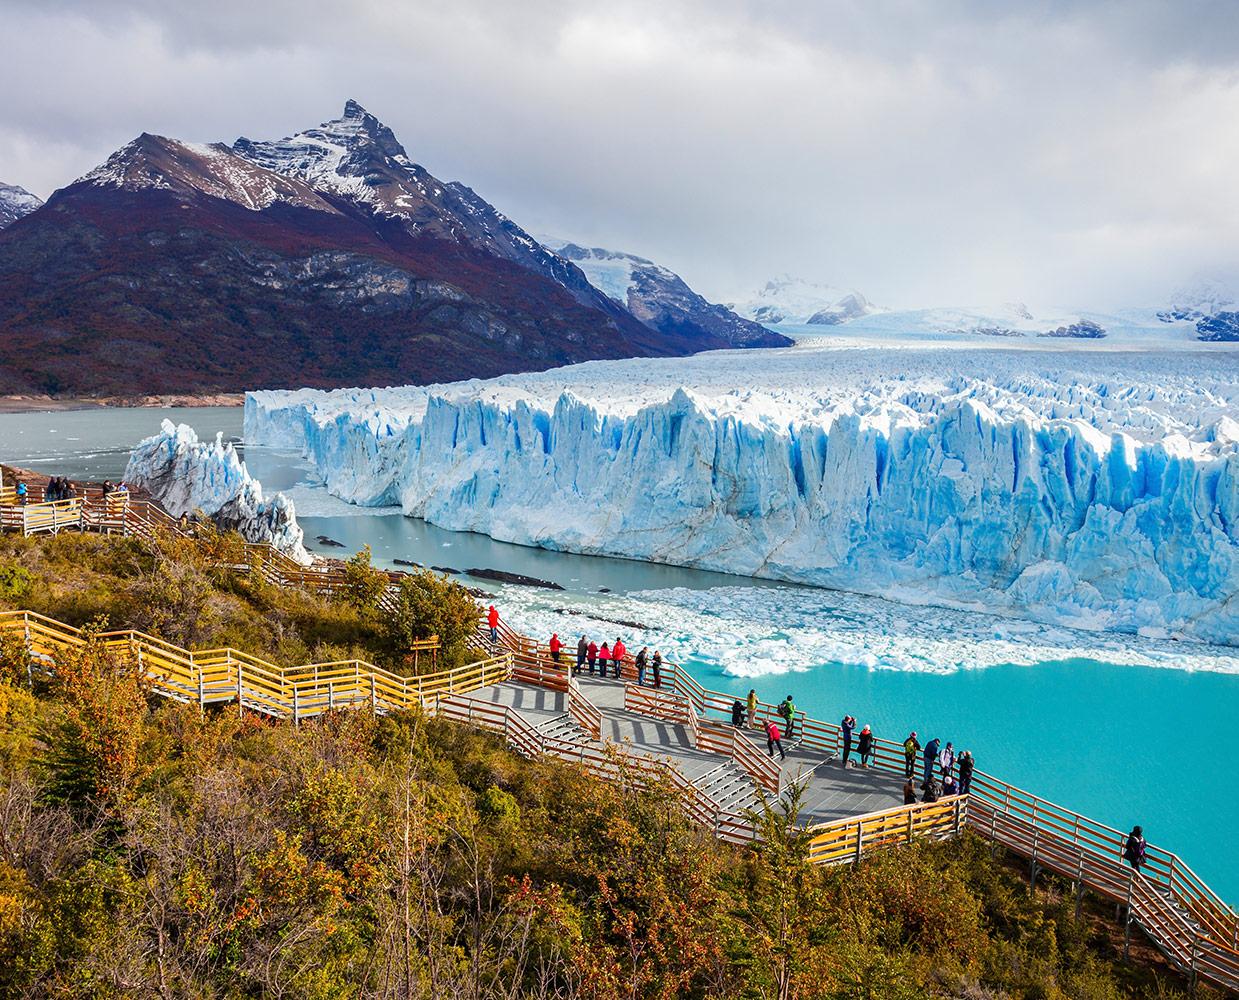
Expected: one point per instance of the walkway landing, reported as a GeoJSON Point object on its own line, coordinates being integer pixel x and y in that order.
{"type": "Point", "coordinates": [831, 793]}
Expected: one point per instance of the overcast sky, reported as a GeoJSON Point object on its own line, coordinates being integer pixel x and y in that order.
{"type": "Point", "coordinates": [926, 153]}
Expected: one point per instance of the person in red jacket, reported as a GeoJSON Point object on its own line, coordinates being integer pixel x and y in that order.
{"type": "Point", "coordinates": [773, 737]}
{"type": "Point", "coordinates": [617, 654]}
{"type": "Point", "coordinates": [592, 657]}
{"type": "Point", "coordinates": [556, 646]}
{"type": "Point", "coordinates": [492, 619]}
{"type": "Point", "coordinates": [604, 654]}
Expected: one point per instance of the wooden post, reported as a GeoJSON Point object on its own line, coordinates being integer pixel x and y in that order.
{"type": "Point", "coordinates": [374, 695]}
{"type": "Point", "coordinates": [331, 696]}
{"type": "Point", "coordinates": [1127, 919]}
{"type": "Point", "coordinates": [240, 688]}
{"type": "Point", "coordinates": [860, 841]}
{"type": "Point", "coordinates": [201, 688]}
{"type": "Point", "coordinates": [296, 707]}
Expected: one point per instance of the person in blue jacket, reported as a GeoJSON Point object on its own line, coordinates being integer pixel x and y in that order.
{"type": "Point", "coordinates": [931, 758]}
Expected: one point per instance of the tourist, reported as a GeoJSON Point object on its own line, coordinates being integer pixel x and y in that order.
{"type": "Point", "coordinates": [847, 725]}
{"type": "Point", "coordinates": [604, 654]}
{"type": "Point", "coordinates": [1135, 847]}
{"type": "Point", "coordinates": [773, 740]}
{"type": "Point", "coordinates": [107, 487]}
{"type": "Point", "coordinates": [932, 790]}
{"type": "Point", "coordinates": [966, 764]}
{"type": "Point", "coordinates": [752, 706]}
{"type": "Point", "coordinates": [21, 491]}
{"type": "Point", "coordinates": [931, 758]}
{"type": "Point", "coordinates": [66, 489]}
{"type": "Point", "coordinates": [492, 620]}
{"type": "Point", "coordinates": [642, 659]}
{"type": "Point", "coordinates": [865, 745]}
{"type": "Point", "coordinates": [582, 651]}
{"type": "Point", "coordinates": [51, 492]}
{"type": "Point", "coordinates": [788, 710]}
{"type": "Point", "coordinates": [911, 747]}
{"type": "Point", "coordinates": [617, 655]}
{"type": "Point", "coordinates": [909, 793]}
{"type": "Point", "coordinates": [946, 759]}
{"type": "Point", "coordinates": [737, 713]}
{"type": "Point", "coordinates": [556, 646]}
{"type": "Point", "coordinates": [591, 654]}
{"type": "Point", "coordinates": [657, 665]}
{"type": "Point", "coordinates": [949, 787]}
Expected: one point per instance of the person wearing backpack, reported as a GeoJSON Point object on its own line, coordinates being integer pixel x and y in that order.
{"type": "Point", "coordinates": [642, 659]}
{"type": "Point", "coordinates": [1134, 849]}
{"type": "Point", "coordinates": [656, 665]}
{"type": "Point", "coordinates": [582, 651]}
{"type": "Point", "coordinates": [911, 747]}
{"type": "Point", "coordinates": [789, 715]}
{"type": "Point", "coordinates": [591, 655]}
{"type": "Point", "coordinates": [737, 713]}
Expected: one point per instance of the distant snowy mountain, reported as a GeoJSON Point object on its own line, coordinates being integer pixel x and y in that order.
{"type": "Point", "coordinates": [15, 202]}
{"type": "Point", "coordinates": [793, 300]}
{"type": "Point", "coordinates": [660, 298]}
{"type": "Point", "coordinates": [1209, 303]}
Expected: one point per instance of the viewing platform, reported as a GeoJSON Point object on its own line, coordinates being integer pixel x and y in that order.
{"type": "Point", "coordinates": [619, 730]}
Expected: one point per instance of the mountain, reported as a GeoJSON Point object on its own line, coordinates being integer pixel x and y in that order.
{"type": "Point", "coordinates": [795, 301]}
{"type": "Point", "coordinates": [661, 299]}
{"type": "Point", "coordinates": [15, 202]}
{"type": "Point", "coordinates": [326, 258]}
{"type": "Point", "coordinates": [1209, 303]}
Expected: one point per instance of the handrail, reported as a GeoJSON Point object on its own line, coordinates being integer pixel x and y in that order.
{"type": "Point", "coordinates": [223, 675]}
{"type": "Point", "coordinates": [998, 807]}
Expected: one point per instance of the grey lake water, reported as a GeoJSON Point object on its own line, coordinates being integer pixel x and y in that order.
{"type": "Point", "coordinates": [1122, 742]}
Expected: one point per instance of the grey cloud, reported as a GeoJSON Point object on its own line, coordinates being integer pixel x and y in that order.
{"type": "Point", "coordinates": [925, 152]}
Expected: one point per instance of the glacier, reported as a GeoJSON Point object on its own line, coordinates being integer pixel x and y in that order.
{"type": "Point", "coordinates": [185, 475]}
{"type": "Point", "coordinates": [1095, 488]}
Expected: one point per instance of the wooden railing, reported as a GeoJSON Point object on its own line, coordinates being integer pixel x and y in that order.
{"type": "Point", "coordinates": [1190, 923]}
{"type": "Point", "coordinates": [583, 711]}
{"type": "Point", "coordinates": [225, 675]}
{"type": "Point", "coordinates": [731, 742]}
{"type": "Point", "coordinates": [846, 840]}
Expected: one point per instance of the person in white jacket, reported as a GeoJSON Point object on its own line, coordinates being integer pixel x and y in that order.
{"type": "Point", "coordinates": [946, 759]}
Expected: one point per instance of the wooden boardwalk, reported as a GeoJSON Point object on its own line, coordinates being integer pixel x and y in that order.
{"type": "Point", "coordinates": [624, 732]}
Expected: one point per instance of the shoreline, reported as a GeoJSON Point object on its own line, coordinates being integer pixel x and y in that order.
{"type": "Point", "coordinates": [52, 404]}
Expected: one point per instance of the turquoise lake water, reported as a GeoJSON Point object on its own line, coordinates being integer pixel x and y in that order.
{"type": "Point", "coordinates": [1123, 744]}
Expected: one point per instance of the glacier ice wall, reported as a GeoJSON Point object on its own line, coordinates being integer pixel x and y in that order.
{"type": "Point", "coordinates": [186, 474]}
{"type": "Point", "coordinates": [924, 495]}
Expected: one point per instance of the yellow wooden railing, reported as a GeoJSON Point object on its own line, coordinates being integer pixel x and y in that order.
{"type": "Point", "coordinates": [211, 676]}
{"type": "Point", "coordinates": [1190, 923]}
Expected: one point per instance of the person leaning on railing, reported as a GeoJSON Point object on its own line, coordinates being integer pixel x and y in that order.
{"type": "Point", "coordinates": [1134, 849]}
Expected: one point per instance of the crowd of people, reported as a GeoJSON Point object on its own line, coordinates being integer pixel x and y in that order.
{"type": "Point", "coordinates": [61, 488]}
{"type": "Point", "coordinates": [943, 771]}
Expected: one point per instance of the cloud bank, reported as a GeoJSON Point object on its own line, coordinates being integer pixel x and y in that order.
{"type": "Point", "coordinates": [926, 152]}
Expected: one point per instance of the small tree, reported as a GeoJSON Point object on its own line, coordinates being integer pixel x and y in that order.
{"type": "Point", "coordinates": [363, 584]}
{"type": "Point", "coordinates": [429, 604]}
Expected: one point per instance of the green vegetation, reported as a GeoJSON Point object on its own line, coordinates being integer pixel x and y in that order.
{"type": "Point", "coordinates": [179, 592]}
{"type": "Point", "coordinates": [148, 850]}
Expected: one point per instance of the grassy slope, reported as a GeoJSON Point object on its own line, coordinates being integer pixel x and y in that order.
{"type": "Point", "coordinates": [146, 850]}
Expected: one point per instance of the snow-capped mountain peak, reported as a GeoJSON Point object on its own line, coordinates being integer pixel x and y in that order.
{"type": "Point", "coordinates": [16, 202]}
{"type": "Point", "coordinates": [155, 162]}
{"type": "Point", "coordinates": [355, 156]}
{"type": "Point", "coordinates": [786, 299]}
{"type": "Point", "coordinates": [659, 297]}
